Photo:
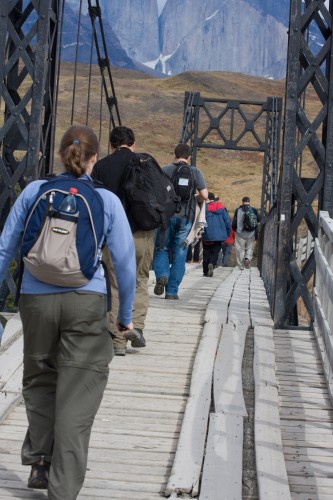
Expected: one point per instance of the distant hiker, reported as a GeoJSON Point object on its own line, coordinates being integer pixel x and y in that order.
{"type": "Point", "coordinates": [216, 231]}
{"type": "Point", "coordinates": [226, 250]}
{"type": "Point", "coordinates": [245, 224]}
{"type": "Point", "coordinates": [194, 253]}
{"type": "Point", "coordinates": [111, 171]}
{"type": "Point", "coordinates": [187, 180]}
{"type": "Point", "coordinates": [67, 346]}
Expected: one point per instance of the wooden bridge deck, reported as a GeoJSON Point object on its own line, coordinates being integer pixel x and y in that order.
{"type": "Point", "coordinates": [150, 434]}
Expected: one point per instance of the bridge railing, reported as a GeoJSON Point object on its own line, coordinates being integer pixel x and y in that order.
{"type": "Point", "coordinates": [323, 293]}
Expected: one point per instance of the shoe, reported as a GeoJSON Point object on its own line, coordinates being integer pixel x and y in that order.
{"type": "Point", "coordinates": [39, 476]}
{"type": "Point", "coordinates": [160, 285]}
{"type": "Point", "coordinates": [247, 263]}
{"type": "Point", "coordinates": [136, 337]}
{"type": "Point", "coordinates": [119, 351]}
{"type": "Point", "coordinates": [210, 272]}
{"type": "Point", "coordinates": [172, 297]}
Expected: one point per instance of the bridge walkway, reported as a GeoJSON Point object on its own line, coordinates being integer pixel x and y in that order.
{"type": "Point", "coordinates": [172, 418]}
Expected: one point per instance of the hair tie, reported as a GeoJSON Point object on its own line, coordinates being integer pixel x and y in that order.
{"type": "Point", "coordinates": [76, 141]}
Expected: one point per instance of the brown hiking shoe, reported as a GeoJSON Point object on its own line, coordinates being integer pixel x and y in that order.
{"type": "Point", "coordinates": [160, 285]}
{"type": "Point", "coordinates": [39, 476]}
{"type": "Point", "coordinates": [247, 263]}
{"type": "Point", "coordinates": [136, 337]}
{"type": "Point", "coordinates": [210, 272]}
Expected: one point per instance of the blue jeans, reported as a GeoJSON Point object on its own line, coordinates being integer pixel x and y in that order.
{"type": "Point", "coordinates": [173, 251]}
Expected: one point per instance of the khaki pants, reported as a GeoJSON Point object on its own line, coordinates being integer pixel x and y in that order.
{"type": "Point", "coordinates": [144, 250]}
{"type": "Point", "coordinates": [244, 249]}
{"type": "Point", "coordinates": [67, 351]}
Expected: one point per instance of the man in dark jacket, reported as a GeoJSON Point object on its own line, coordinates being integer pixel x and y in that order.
{"type": "Point", "coordinates": [217, 230]}
{"type": "Point", "coordinates": [111, 172]}
{"type": "Point", "coordinates": [245, 237]}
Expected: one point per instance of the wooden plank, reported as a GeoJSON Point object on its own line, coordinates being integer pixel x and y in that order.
{"type": "Point", "coordinates": [10, 360]}
{"type": "Point", "coordinates": [227, 378]}
{"type": "Point", "coordinates": [186, 470]}
{"type": "Point", "coordinates": [272, 476]}
{"type": "Point", "coordinates": [264, 357]}
{"type": "Point", "coordinates": [12, 331]}
{"type": "Point", "coordinates": [222, 469]}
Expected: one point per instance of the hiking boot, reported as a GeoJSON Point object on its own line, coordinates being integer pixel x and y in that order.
{"type": "Point", "coordinates": [136, 337]}
{"type": "Point", "coordinates": [160, 285]}
{"type": "Point", "coordinates": [39, 476]}
{"type": "Point", "coordinates": [172, 297]}
{"type": "Point", "coordinates": [247, 263]}
{"type": "Point", "coordinates": [210, 272]}
{"type": "Point", "coordinates": [119, 351]}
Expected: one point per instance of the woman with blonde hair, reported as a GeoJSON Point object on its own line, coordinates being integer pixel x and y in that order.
{"type": "Point", "coordinates": [67, 346]}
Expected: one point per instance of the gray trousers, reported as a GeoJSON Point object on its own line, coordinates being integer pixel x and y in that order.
{"type": "Point", "coordinates": [67, 350]}
{"type": "Point", "coordinates": [244, 249]}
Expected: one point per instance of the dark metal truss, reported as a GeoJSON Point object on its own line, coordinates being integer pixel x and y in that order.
{"type": "Point", "coordinates": [28, 35]}
{"type": "Point", "coordinates": [30, 40]}
{"type": "Point", "coordinates": [309, 70]}
{"type": "Point", "coordinates": [236, 125]}
{"type": "Point", "coordinates": [103, 60]}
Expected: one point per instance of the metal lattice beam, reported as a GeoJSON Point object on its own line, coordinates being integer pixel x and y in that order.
{"type": "Point", "coordinates": [236, 125]}
{"type": "Point", "coordinates": [307, 145]}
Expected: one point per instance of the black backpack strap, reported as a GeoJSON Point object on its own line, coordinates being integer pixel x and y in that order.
{"type": "Point", "coordinates": [19, 283]}
{"type": "Point", "coordinates": [108, 286]}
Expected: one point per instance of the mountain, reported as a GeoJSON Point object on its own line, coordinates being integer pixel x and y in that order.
{"type": "Point", "coordinates": [222, 35]}
{"type": "Point", "coordinates": [247, 36]}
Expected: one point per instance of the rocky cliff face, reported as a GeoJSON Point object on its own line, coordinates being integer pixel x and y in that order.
{"type": "Point", "coordinates": [248, 36]}
{"type": "Point", "coordinates": [222, 35]}
{"type": "Point", "coordinates": [136, 26]}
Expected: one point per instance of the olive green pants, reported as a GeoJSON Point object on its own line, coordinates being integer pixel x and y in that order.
{"type": "Point", "coordinates": [144, 250]}
{"type": "Point", "coordinates": [67, 351]}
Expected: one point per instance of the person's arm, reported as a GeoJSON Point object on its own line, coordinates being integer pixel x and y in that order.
{"type": "Point", "coordinates": [201, 187]}
{"type": "Point", "coordinates": [203, 195]}
{"type": "Point", "coordinates": [119, 240]}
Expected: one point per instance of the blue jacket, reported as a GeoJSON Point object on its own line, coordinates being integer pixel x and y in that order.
{"type": "Point", "coordinates": [218, 222]}
{"type": "Point", "coordinates": [119, 240]}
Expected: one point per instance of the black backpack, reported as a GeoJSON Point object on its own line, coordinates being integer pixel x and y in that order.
{"type": "Point", "coordinates": [184, 182]}
{"type": "Point", "coordinates": [149, 195]}
{"type": "Point", "coordinates": [250, 222]}
{"type": "Point", "coordinates": [183, 179]}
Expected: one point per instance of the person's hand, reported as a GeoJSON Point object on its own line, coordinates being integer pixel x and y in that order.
{"type": "Point", "coordinates": [124, 328]}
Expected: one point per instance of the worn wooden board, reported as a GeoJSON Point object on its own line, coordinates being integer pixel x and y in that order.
{"type": "Point", "coordinates": [227, 380]}
{"type": "Point", "coordinates": [12, 331]}
{"type": "Point", "coordinates": [222, 471]}
{"type": "Point", "coordinates": [189, 455]}
{"type": "Point", "coordinates": [271, 470]}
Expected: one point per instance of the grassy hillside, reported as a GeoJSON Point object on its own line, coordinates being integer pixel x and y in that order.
{"type": "Point", "coordinates": [153, 107]}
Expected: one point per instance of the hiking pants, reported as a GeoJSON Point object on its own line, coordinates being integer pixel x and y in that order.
{"type": "Point", "coordinates": [174, 249]}
{"type": "Point", "coordinates": [225, 254]}
{"type": "Point", "coordinates": [67, 350]}
{"type": "Point", "coordinates": [244, 249]}
{"type": "Point", "coordinates": [210, 254]}
{"type": "Point", "coordinates": [144, 251]}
